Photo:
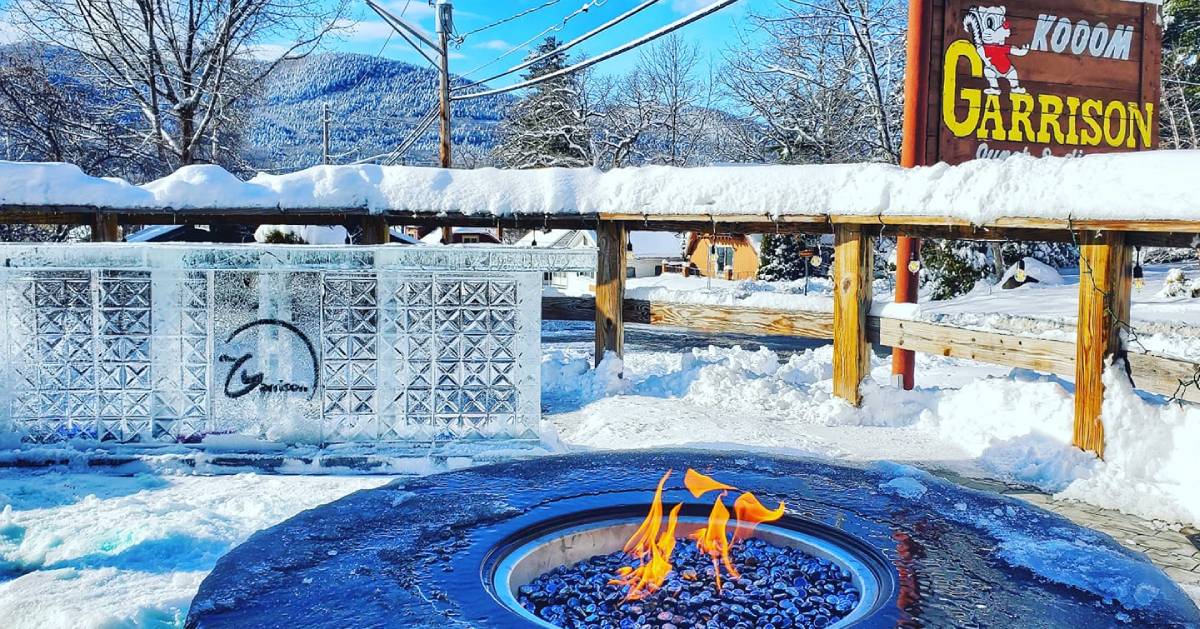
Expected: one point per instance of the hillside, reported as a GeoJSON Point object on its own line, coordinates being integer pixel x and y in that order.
{"type": "Point", "coordinates": [374, 103]}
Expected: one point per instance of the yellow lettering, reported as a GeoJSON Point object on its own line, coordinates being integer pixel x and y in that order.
{"type": "Point", "coordinates": [1115, 110]}
{"type": "Point", "coordinates": [1094, 133]}
{"type": "Point", "coordinates": [956, 51]}
{"type": "Point", "coordinates": [1072, 120]}
{"type": "Point", "coordinates": [1022, 124]}
{"type": "Point", "coordinates": [1051, 107]}
{"type": "Point", "coordinates": [1141, 123]}
{"type": "Point", "coordinates": [991, 114]}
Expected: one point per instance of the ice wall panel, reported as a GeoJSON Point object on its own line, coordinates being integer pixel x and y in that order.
{"type": "Point", "coordinates": [163, 344]}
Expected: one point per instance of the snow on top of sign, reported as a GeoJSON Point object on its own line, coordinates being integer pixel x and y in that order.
{"type": "Point", "coordinates": [1133, 186]}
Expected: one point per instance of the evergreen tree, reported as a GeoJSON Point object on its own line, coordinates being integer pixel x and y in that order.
{"type": "Point", "coordinates": [780, 260]}
{"type": "Point", "coordinates": [551, 126]}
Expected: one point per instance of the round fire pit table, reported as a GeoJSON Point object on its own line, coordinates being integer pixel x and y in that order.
{"type": "Point", "coordinates": [461, 550]}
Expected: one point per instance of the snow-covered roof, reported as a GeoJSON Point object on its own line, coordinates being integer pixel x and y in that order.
{"type": "Point", "coordinates": [656, 244]}
{"type": "Point", "coordinates": [398, 235]}
{"type": "Point", "coordinates": [1133, 186]}
{"type": "Point", "coordinates": [558, 238]}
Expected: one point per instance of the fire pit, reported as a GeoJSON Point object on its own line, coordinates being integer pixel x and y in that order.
{"type": "Point", "coordinates": [774, 575]}
{"type": "Point", "coordinates": [591, 541]}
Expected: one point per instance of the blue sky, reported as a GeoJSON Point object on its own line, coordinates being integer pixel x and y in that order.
{"type": "Point", "coordinates": [715, 33]}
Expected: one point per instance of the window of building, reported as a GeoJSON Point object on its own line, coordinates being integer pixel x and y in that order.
{"type": "Point", "coordinates": [723, 257]}
{"type": "Point", "coordinates": [470, 239]}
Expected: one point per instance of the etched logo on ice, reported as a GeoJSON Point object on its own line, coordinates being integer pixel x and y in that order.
{"type": "Point", "coordinates": [246, 374]}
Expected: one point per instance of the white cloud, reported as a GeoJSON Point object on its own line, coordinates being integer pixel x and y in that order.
{"type": "Point", "coordinates": [366, 30]}
{"type": "Point", "coordinates": [494, 44]}
{"type": "Point", "coordinates": [9, 33]}
{"type": "Point", "coordinates": [268, 52]}
{"type": "Point", "coordinates": [690, 6]}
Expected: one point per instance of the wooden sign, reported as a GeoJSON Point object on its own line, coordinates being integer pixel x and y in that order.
{"type": "Point", "coordinates": [1042, 77]}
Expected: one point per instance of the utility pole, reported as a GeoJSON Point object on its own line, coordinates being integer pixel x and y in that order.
{"type": "Point", "coordinates": [325, 133]}
{"type": "Point", "coordinates": [445, 24]}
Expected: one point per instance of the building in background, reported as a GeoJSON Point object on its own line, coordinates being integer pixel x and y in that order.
{"type": "Point", "coordinates": [650, 254]}
{"type": "Point", "coordinates": [723, 256]}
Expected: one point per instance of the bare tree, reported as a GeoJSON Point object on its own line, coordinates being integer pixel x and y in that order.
{"type": "Point", "coordinates": [58, 119]}
{"type": "Point", "coordinates": [828, 83]}
{"type": "Point", "coordinates": [185, 65]}
{"type": "Point", "coordinates": [630, 112]}
{"type": "Point", "coordinates": [669, 69]}
{"type": "Point", "coordinates": [661, 112]}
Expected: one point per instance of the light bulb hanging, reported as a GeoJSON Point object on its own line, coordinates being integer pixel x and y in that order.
{"type": "Point", "coordinates": [1139, 274]}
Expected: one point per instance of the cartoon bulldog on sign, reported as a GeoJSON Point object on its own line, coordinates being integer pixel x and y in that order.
{"type": "Point", "coordinates": [989, 28]}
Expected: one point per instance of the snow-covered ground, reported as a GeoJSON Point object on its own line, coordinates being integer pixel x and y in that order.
{"type": "Point", "coordinates": [974, 419]}
{"type": "Point", "coordinates": [96, 550]}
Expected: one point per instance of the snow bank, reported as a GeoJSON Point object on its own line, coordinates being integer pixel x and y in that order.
{"type": "Point", "coordinates": [89, 550]}
{"type": "Point", "coordinates": [308, 234]}
{"type": "Point", "coordinates": [1016, 428]}
{"type": "Point", "coordinates": [1146, 185]}
{"type": "Point", "coordinates": [1044, 274]}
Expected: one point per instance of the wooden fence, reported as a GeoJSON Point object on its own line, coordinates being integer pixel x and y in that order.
{"type": "Point", "coordinates": [1152, 373]}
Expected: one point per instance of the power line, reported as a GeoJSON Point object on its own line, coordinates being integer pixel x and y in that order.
{"type": "Point", "coordinates": [510, 18]}
{"type": "Point", "coordinates": [557, 26]}
{"type": "Point", "coordinates": [569, 45]}
{"type": "Point", "coordinates": [626, 47]}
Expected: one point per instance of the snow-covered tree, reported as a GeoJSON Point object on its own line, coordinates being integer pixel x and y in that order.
{"type": "Point", "coordinates": [826, 82]}
{"type": "Point", "coordinates": [552, 124]}
{"type": "Point", "coordinates": [47, 115]}
{"type": "Point", "coordinates": [184, 65]}
{"type": "Point", "coordinates": [1181, 75]}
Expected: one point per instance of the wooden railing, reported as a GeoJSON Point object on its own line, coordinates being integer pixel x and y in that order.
{"type": "Point", "coordinates": [1150, 372]}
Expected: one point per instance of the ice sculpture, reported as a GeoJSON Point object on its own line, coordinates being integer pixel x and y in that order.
{"type": "Point", "coordinates": [170, 343]}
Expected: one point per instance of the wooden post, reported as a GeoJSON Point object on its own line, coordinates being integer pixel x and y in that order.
{"type": "Point", "coordinates": [611, 239]}
{"type": "Point", "coordinates": [375, 231]}
{"type": "Point", "coordinates": [1104, 295]}
{"type": "Point", "coordinates": [852, 274]}
{"type": "Point", "coordinates": [105, 228]}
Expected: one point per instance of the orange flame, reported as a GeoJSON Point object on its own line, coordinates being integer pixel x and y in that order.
{"type": "Point", "coordinates": [653, 545]}
{"type": "Point", "coordinates": [713, 541]}
{"type": "Point", "coordinates": [652, 549]}
{"type": "Point", "coordinates": [642, 541]}
{"type": "Point", "coordinates": [750, 513]}
{"type": "Point", "coordinates": [699, 484]}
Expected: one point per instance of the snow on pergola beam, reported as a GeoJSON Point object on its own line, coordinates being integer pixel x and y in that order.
{"type": "Point", "coordinates": [1020, 197]}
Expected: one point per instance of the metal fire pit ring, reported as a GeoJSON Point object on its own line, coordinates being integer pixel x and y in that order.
{"type": "Point", "coordinates": [523, 560]}
{"type": "Point", "coordinates": [424, 552]}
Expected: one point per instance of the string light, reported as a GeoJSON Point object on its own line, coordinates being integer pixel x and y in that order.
{"type": "Point", "coordinates": [1021, 275]}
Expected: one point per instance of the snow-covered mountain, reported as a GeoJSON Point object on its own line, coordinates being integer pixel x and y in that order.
{"type": "Point", "coordinates": [374, 104]}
